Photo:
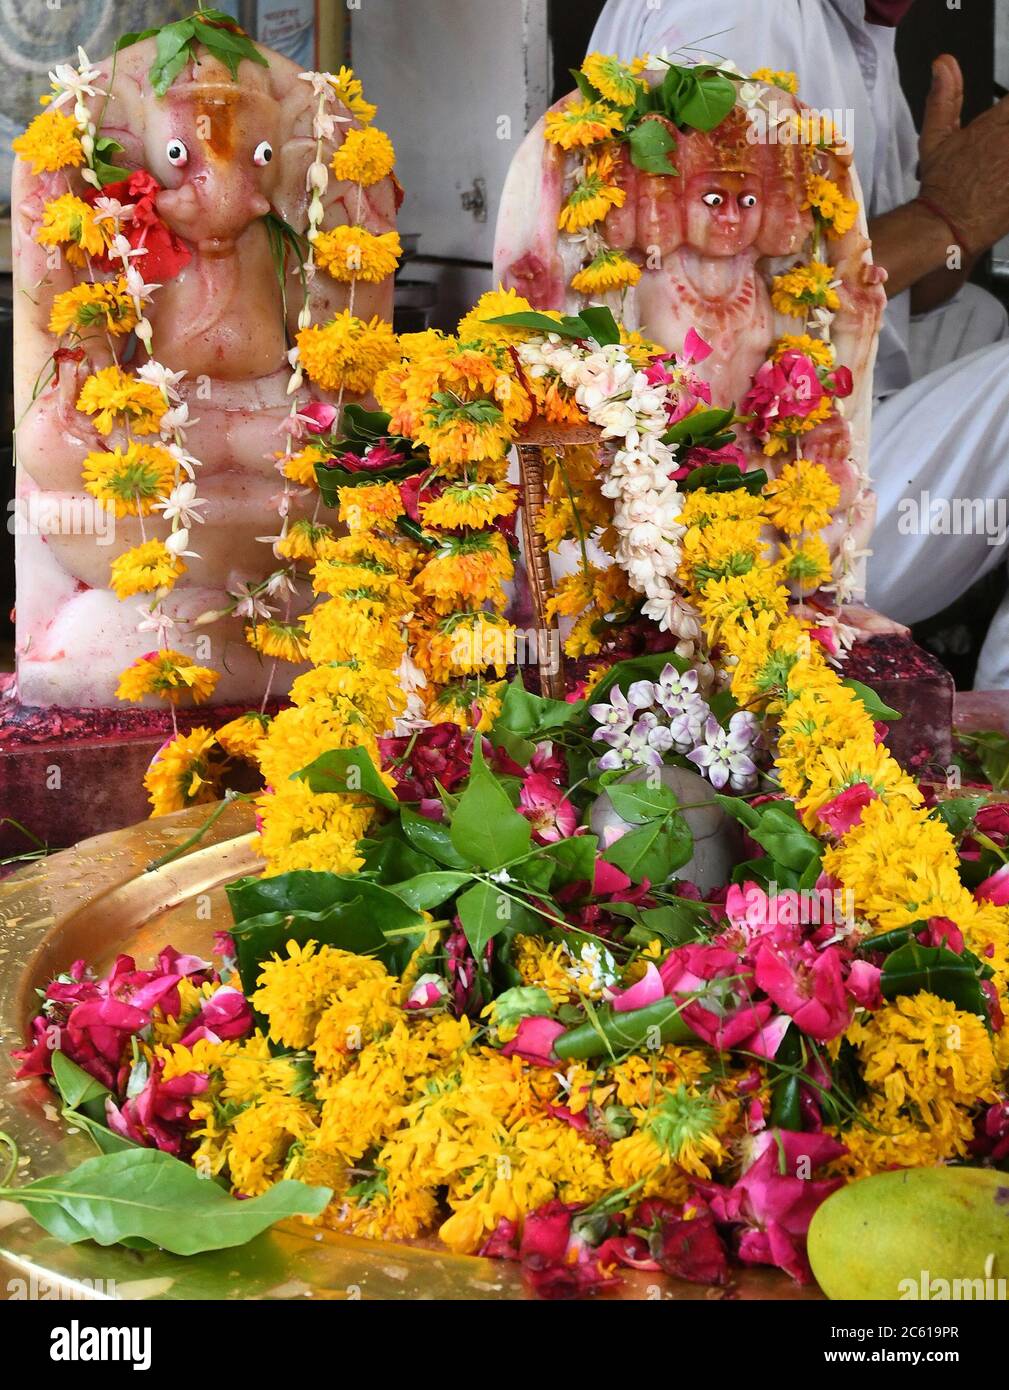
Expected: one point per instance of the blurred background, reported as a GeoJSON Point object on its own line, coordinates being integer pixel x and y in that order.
{"type": "Point", "coordinates": [458, 83]}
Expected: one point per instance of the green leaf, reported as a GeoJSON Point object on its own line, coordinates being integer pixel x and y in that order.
{"type": "Point", "coordinates": [913, 967]}
{"type": "Point", "coordinates": [874, 706]}
{"type": "Point", "coordinates": [331, 480]}
{"type": "Point", "coordinates": [366, 426]}
{"type": "Point", "coordinates": [602, 326]}
{"type": "Point", "coordinates": [651, 143]}
{"type": "Point", "coordinates": [533, 716]}
{"type": "Point", "coordinates": [708, 102]}
{"type": "Point", "coordinates": [958, 812]}
{"type": "Point", "coordinates": [431, 837]}
{"type": "Point", "coordinates": [346, 911]}
{"type": "Point", "coordinates": [104, 1139]}
{"type": "Point", "coordinates": [347, 770]}
{"type": "Point", "coordinates": [174, 50]}
{"type": "Point", "coordinates": [588, 91]}
{"type": "Point", "coordinates": [485, 910]}
{"type": "Point", "coordinates": [786, 841]}
{"type": "Point", "coordinates": [228, 47]}
{"type": "Point", "coordinates": [786, 1108]}
{"type": "Point", "coordinates": [724, 477]}
{"type": "Point", "coordinates": [742, 810]}
{"type": "Point", "coordinates": [427, 891]}
{"type": "Point", "coordinates": [149, 1195]}
{"type": "Point", "coordinates": [574, 861]}
{"type": "Point", "coordinates": [75, 1085]}
{"type": "Point", "coordinates": [137, 36]}
{"type": "Point", "coordinates": [992, 752]}
{"type": "Point", "coordinates": [568, 326]}
{"type": "Point", "coordinates": [637, 802]}
{"type": "Point", "coordinates": [486, 828]}
{"type": "Point", "coordinates": [654, 850]}
{"type": "Point", "coordinates": [694, 428]}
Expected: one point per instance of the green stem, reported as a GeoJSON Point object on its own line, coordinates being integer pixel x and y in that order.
{"type": "Point", "coordinates": [197, 835]}
{"type": "Point", "coordinates": [11, 1169]}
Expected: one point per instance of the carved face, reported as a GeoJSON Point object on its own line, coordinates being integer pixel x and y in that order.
{"type": "Point", "coordinates": [724, 212]}
{"type": "Point", "coordinates": [215, 149]}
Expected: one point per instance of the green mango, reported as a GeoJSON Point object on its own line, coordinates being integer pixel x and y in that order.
{"type": "Point", "coordinates": [918, 1233]}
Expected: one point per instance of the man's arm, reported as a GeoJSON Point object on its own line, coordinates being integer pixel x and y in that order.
{"type": "Point", "coordinates": [964, 192]}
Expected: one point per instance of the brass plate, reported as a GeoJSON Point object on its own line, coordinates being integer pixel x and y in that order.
{"type": "Point", "coordinates": [99, 899]}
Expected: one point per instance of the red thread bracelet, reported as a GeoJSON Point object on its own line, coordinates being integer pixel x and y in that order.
{"type": "Point", "coordinates": [944, 216]}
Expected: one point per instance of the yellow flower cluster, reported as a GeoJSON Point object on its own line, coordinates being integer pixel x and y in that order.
{"type": "Point", "coordinates": [351, 253]}
{"type": "Point", "coordinates": [347, 353]}
{"type": "Point", "coordinates": [837, 212]}
{"type": "Point", "coordinates": [105, 306]}
{"type": "Point", "coordinates": [365, 157]}
{"type": "Point", "coordinates": [170, 675]}
{"type": "Point", "coordinates": [52, 142]}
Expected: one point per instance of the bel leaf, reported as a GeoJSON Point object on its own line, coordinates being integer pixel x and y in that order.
{"type": "Point", "coordinates": [427, 891]}
{"type": "Point", "coordinates": [654, 850]}
{"type": "Point", "coordinates": [637, 802]}
{"type": "Point", "coordinates": [484, 911]}
{"type": "Point", "coordinates": [651, 143]}
{"type": "Point", "coordinates": [874, 706]}
{"type": "Point", "coordinates": [149, 1195]}
{"type": "Point", "coordinates": [347, 770]}
{"type": "Point", "coordinates": [707, 102]}
{"type": "Point", "coordinates": [486, 828]}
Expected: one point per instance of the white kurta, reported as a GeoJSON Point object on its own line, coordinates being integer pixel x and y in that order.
{"type": "Point", "coordinates": [937, 430]}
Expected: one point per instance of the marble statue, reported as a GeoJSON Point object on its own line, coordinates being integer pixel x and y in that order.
{"type": "Point", "coordinates": [225, 153]}
{"type": "Point", "coordinates": [709, 241]}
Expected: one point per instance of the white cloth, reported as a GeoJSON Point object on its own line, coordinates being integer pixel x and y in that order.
{"type": "Point", "coordinates": [941, 423]}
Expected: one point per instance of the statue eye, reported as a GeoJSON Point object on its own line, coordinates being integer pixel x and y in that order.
{"type": "Point", "coordinates": [263, 153]}
{"type": "Point", "coordinates": [713, 200]}
{"type": "Point", "coordinates": [177, 153]}
{"type": "Point", "coordinates": [748, 200]}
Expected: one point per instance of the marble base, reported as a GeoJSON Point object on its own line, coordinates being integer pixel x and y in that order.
{"type": "Point", "coordinates": [68, 774]}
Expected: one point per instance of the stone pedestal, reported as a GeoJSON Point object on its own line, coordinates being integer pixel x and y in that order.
{"type": "Point", "coordinates": [912, 681]}
{"type": "Point", "coordinates": [67, 774]}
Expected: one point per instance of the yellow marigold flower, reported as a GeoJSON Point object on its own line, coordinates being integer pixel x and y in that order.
{"type": "Point", "coordinates": [300, 467]}
{"type": "Point", "coordinates": [355, 1016]}
{"type": "Point", "coordinates": [112, 396]}
{"type": "Point", "coordinates": [787, 81]}
{"type": "Point", "coordinates": [611, 78]}
{"type": "Point", "coordinates": [494, 304]}
{"type": "Point", "coordinates": [294, 990]}
{"type": "Point", "coordinates": [347, 352]}
{"type": "Point", "coordinates": [374, 690]}
{"type": "Point", "coordinates": [464, 432]}
{"type": "Point", "coordinates": [303, 540]}
{"type": "Point", "coordinates": [297, 737]}
{"type": "Point", "coordinates": [465, 644]}
{"type": "Point", "coordinates": [467, 571]}
{"type": "Point", "coordinates": [767, 649]}
{"type": "Point", "coordinates": [884, 1137]}
{"type": "Point", "coordinates": [132, 479]}
{"type": "Point", "coordinates": [105, 306]}
{"type": "Point", "coordinates": [169, 675]}
{"type": "Point", "coordinates": [278, 640]}
{"type": "Point", "coordinates": [261, 1138]}
{"type": "Point", "coordinates": [592, 197]}
{"type": "Point", "coordinates": [145, 568]}
{"type": "Point", "coordinates": [806, 563]}
{"type": "Point", "coordinates": [301, 830]}
{"type": "Point", "coordinates": [345, 628]}
{"type": "Point", "coordinates": [468, 504]}
{"type": "Point", "coordinates": [832, 770]}
{"type": "Point", "coordinates": [610, 270]}
{"type": "Point", "coordinates": [351, 253]}
{"type": "Point", "coordinates": [243, 737]}
{"type": "Point", "coordinates": [801, 497]}
{"type": "Point", "coordinates": [350, 91]}
{"type": "Point", "coordinates": [837, 212]}
{"type": "Point", "coordinates": [820, 353]}
{"type": "Point", "coordinates": [470, 704]}
{"type": "Point", "coordinates": [51, 142]}
{"type": "Point", "coordinates": [183, 773]}
{"type": "Point", "coordinates": [727, 600]}
{"type": "Point", "coordinates": [805, 287]}
{"type": "Point", "coordinates": [366, 156]}
{"type": "Point", "coordinates": [370, 506]}
{"type": "Point", "coordinates": [70, 221]}
{"type": "Point", "coordinates": [920, 1050]}
{"type": "Point", "coordinates": [581, 123]}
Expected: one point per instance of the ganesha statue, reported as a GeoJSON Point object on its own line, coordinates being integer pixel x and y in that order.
{"type": "Point", "coordinates": [200, 232]}
{"type": "Point", "coordinates": [741, 235]}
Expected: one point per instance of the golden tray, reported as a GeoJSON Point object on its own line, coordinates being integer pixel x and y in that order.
{"type": "Point", "coordinates": [99, 899]}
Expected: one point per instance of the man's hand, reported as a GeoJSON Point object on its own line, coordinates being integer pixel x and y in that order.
{"type": "Point", "coordinates": [965, 169]}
